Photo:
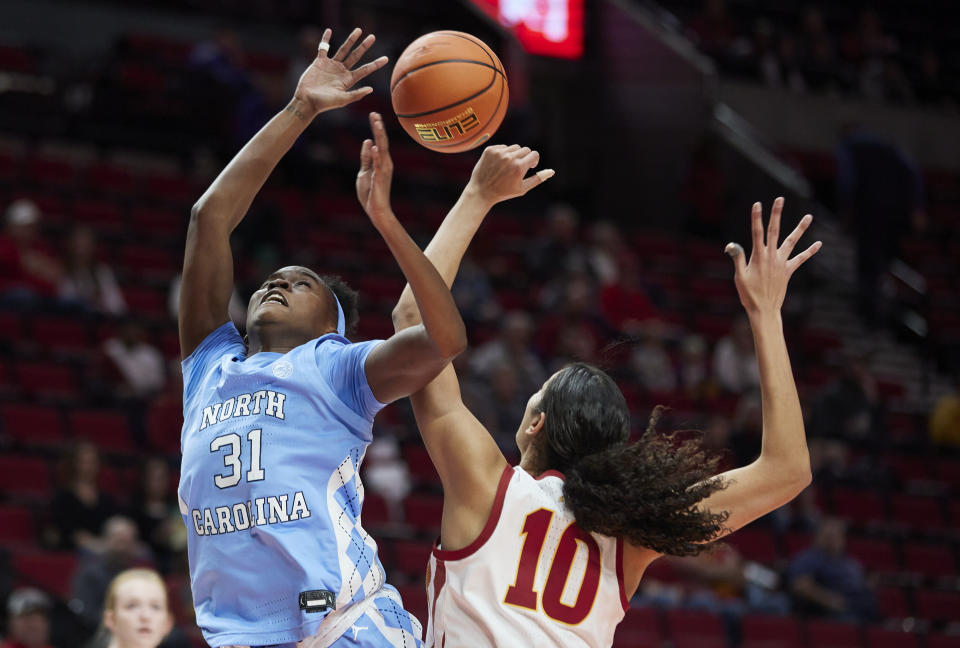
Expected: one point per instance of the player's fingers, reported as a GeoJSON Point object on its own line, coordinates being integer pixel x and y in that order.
{"type": "Point", "coordinates": [359, 51]}
{"type": "Point", "coordinates": [756, 226]}
{"type": "Point", "coordinates": [512, 148]}
{"type": "Point", "coordinates": [324, 47]}
{"type": "Point", "coordinates": [348, 44]}
{"type": "Point", "coordinates": [358, 93]}
{"type": "Point", "coordinates": [537, 178]}
{"type": "Point", "coordinates": [366, 155]}
{"type": "Point", "coordinates": [367, 68]}
{"type": "Point", "coordinates": [379, 133]}
{"type": "Point", "coordinates": [530, 160]}
{"type": "Point", "coordinates": [804, 256]}
{"type": "Point", "coordinates": [735, 251]}
{"type": "Point", "coordinates": [521, 152]}
{"type": "Point", "coordinates": [791, 241]}
{"type": "Point", "coordinates": [773, 227]}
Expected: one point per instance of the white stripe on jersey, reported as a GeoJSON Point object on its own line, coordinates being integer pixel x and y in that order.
{"type": "Point", "coordinates": [532, 578]}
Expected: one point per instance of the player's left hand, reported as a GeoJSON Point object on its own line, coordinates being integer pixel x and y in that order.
{"type": "Point", "coordinates": [762, 283]}
{"type": "Point", "coordinates": [326, 83]}
{"type": "Point", "coordinates": [376, 172]}
{"type": "Point", "coordinates": [499, 174]}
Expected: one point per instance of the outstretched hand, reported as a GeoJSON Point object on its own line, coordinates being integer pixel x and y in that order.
{"type": "Point", "coordinates": [376, 172]}
{"type": "Point", "coordinates": [327, 83]}
{"type": "Point", "coordinates": [762, 282]}
{"type": "Point", "coordinates": [499, 174]}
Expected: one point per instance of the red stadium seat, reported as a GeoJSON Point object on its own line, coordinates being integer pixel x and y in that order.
{"type": "Point", "coordinates": [375, 512]}
{"type": "Point", "coordinates": [640, 628]}
{"type": "Point", "coordinates": [423, 511]}
{"type": "Point", "coordinates": [420, 466]}
{"type": "Point", "coordinates": [10, 326]}
{"type": "Point", "coordinates": [47, 380]}
{"type": "Point", "coordinates": [762, 631]}
{"type": "Point", "coordinates": [149, 262]}
{"type": "Point", "coordinates": [892, 602]}
{"type": "Point", "coordinates": [918, 512]}
{"type": "Point", "coordinates": [829, 634]}
{"type": "Point", "coordinates": [16, 527]}
{"type": "Point", "coordinates": [110, 179]}
{"type": "Point", "coordinates": [940, 605]}
{"type": "Point", "coordinates": [932, 561]}
{"type": "Point", "coordinates": [50, 172]}
{"type": "Point", "coordinates": [48, 570]}
{"type": "Point", "coordinates": [415, 601]}
{"type": "Point", "coordinates": [101, 215]}
{"type": "Point", "coordinates": [23, 476]}
{"type": "Point", "coordinates": [865, 507]}
{"type": "Point", "coordinates": [61, 334]}
{"type": "Point", "coordinates": [910, 468]}
{"type": "Point", "coordinates": [755, 544]}
{"type": "Point", "coordinates": [146, 302]}
{"type": "Point", "coordinates": [108, 429]}
{"type": "Point", "coordinates": [152, 223]}
{"type": "Point", "coordinates": [164, 421]}
{"type": "Point", "coordinates": [874, 555]}
{"type": "Point", "coordinates": [695, 628]}
{"type": "Point", "coordinates": [943, 641]}
{"type": "Point", "coordinates": [32, 425]}
{"type": "Point", "coordinates": [410, 557]}
{"type": "Point", "coordinates": [883, 638]}
{"type": "Point", "coordinates": [948, 472]}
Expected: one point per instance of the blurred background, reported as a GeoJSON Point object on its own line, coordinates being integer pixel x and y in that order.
{"type": "Point", "coordinates": [665, 122]}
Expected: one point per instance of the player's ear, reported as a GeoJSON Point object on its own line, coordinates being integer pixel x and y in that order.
{"type": "Point", "coordinates": [536, 424]}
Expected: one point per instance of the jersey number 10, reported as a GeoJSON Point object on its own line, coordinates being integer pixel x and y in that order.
{"type": "Point", "coordinates": [231, 460]}
{"type": "Point", "coordinates": [521, 593]}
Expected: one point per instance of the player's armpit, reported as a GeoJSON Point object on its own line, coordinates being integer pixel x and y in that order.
{"type": "Point", "coordinates": [207, 280]}
{"type": "Point", "coordinates": [403, 364]}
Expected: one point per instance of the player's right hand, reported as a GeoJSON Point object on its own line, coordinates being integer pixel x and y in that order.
{"type": "Point", "coordinates": [499, 174]}
{"type": "Point", "coordinates": [376, 173]}
{"type": "Point", "coordinates": [326, 83]}
{"type": "Point", "coordinates": [762, 282]}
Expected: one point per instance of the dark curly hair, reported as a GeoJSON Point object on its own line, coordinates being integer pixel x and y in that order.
{"type": "Point", "coordinates": [645, 492]}
{"type": "Point", "coordinates": [349, 301]}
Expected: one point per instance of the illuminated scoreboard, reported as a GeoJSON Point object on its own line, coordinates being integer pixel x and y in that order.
{"type": "Point", "coordinates": [543, 27]}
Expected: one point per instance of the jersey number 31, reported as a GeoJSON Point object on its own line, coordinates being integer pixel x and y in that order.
{"type": "Point", "coordinates": [231, 460]}
{"type": "Point", "coordinates": [522, 594]}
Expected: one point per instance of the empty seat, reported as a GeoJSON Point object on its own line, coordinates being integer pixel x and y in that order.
{"type": "Point", "coordinates": [24, 476]}
{"type": "Point", "coordinates": [884, 638]}
{"type": "Point", "coordinates": [423, 511]}
{"type": "Point", "coordinates": [16, 526]}
{"type": "Point", "coordinates": [763, 631]}
{"type": "Point", "coordinates": [943, 641]}
{"type": "Point", "coordinates": [108, 429]}
{"type": "Point", "coordinates": [640, 628]}
{"type": "Point", "coordinates": [932, 561]}
{"type": "Point", "coordinates": [32, 425]}
{"type": "Point", "coordinates": [47, 380]}
{"type": "Point", "coordinates": [61, 334]}
{"type": "Point", "coordinates": [830, 634]}
{"type": "Point", "coordinates": [892, 602]}
{"type": "Point", "coordinates": [918, 512]}
{"type": "Point", "coordinates": [410, 557]}
{"type": "Point", "coordinates": [865, 507]}
{"type": "Point", "coordinates": [695, 628]}
{"type": "Point", "coordinates": [52, 571]}
{"type": "Point", "coordinates": [375, 511]}
{"type": "Point", "coordinates": [755, 543]}
{"type": "Point", "coordinates": [420, 466]}
{"type": "Point", "coordinates": [940, 605]}
{"type": "Point", "coordinates": [873, 554]}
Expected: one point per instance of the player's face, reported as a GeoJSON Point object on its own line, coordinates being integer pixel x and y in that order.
{"type": "Point", "coordinates": [296, 298]}
{"type": "Point", "coordinates": [140, 618]}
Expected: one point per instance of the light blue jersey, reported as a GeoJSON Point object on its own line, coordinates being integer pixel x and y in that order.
{"type": "Point", "coordinates": [269, 486]}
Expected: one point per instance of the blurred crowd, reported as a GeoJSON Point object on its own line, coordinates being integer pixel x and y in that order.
{"type": "Point", "coordinates": [854, 54]}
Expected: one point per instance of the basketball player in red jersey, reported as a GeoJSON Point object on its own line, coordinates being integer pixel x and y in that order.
{"type": "Point", "coordinates": [549, 552]}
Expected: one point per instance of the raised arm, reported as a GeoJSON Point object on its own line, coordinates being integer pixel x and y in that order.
{"type": "Point", "coordinates": [466, 457]}
{"type": "Point", "coordinates": [783, 467]}
{"type": "Point", "coordinates": [208, 261]}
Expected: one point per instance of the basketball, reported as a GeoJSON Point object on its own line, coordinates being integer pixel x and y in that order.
{"type": "Point", "coordinates": [449, 91]}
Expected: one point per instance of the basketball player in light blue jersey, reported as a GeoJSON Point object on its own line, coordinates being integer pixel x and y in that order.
{"type": "Point", "coordinates": [276, 425]}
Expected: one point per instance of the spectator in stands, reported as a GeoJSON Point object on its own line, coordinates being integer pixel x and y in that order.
{"type": "Point", "coordinates": [80, 509]}
{"type": "Point", "coordinates": [824, 580]}
{"type": "Point", "coordinates": [650, 361]}
{"type": "Point", "coordinates": [87, 281]}
{"type": "Point", "coordinates": [850, 407]}
{"type": "Point", "coordinates": [735, 361]}
{"type": "Point", "coordinates": [625, 304]}
{"type": "Point", "coordinates": [474, 294]}
{"type": "Point", "coordinates": [557, 250]}
{"type": "Point", "coordinates": [121, 551]}
{"type": "Point", "coordinates": [386, 474]}
{"type": "Point", "coordinates": [29, 271]}
{"type": "Point", "coordinates": [694, 368]}
{"type": "Point", "coordinates": [28, 619]}
{"type": "Point", "coordinates": [822, 71]}
{"type": "Point", "coordinates": [606, 252]}
{"type": "Point", "coordinates": [511, 346]}
{"type": "Point", "coordinates": [140, 364]}
{"type": "Point", "coordinates": [713, 30]}
{"type": "Point", "coordinates": [945, 418]}
{"type": "Point", "coordinates": [154, 510]}
{"type": "Point", "coordinates": [136, 610]}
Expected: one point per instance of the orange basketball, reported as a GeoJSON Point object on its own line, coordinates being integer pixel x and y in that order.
{"type": "Point", "coordinates": [449, 91]}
